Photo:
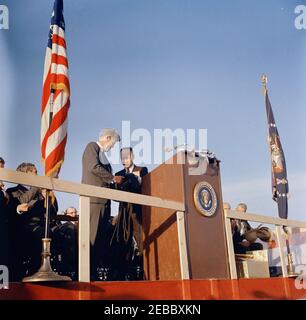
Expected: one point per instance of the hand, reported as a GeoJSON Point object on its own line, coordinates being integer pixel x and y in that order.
{"type": "Point", "coordinates": [44, 193]}
{"type": "Point", "coordinates": [24, 207]}
{"type": "Point", "coordinates": [2, 185]}
{"type": "Point", "coordinates": [114, 221]}
{"type": "Point", "coordinates": [118, 179]}
{"type": "Point", "coordinates": [245, 243]}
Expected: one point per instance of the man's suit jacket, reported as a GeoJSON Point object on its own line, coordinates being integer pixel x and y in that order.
{"type": "Point", "coordinates": [3, 200]}
{"type": "Point", "coordinates": [134, 210]}
{"type": "Point", "coordinates": [3, 207]}
{"type": "Point", "coordinates": [94, 172]}
{"type": "Point", "coordinates": [3, 230]}
{"type": "Point", "coordinates": [22, 194]}
{"type": "Point", "coordinates": [133, 184]}
{"type": "Point", "coordinates": [36, 215]}
{"type": "Point", "coordinates": [143, 171]}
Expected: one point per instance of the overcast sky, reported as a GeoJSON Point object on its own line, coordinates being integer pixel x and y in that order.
{"type": "Point", "coordinates": [166, 64]}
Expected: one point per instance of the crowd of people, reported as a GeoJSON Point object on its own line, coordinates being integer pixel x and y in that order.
{"type": "Point", "coordinates": [116, 244]}
{"type": "Point", "coordinates": [23, 212]}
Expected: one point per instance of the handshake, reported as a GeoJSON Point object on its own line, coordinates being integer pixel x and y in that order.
{"type": "Point", "coordinates": [118, 180]}
{"type": "Point", "coordinates": [121, 179]}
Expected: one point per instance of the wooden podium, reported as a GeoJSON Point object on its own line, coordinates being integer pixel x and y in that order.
{"type": "Point", "coordinates": [186, 245]}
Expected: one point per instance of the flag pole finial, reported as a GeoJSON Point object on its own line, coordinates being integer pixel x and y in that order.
{"type": "Point", "coordinates": [264, 81]}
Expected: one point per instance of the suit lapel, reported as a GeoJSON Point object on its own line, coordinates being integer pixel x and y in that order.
{"type": "Point", "coordinates": [135, 169]}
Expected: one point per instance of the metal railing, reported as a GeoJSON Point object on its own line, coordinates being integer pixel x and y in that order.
{"type": "Point", "coordinates": [87, 191]}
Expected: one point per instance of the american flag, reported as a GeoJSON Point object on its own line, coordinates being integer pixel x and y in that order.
{"type": "Point", "coordinates": [56, 95]}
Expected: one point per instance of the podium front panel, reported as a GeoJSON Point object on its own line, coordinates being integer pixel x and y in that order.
{"type": "Point", "coordinates": [161, 246]}
{"type": "Point", "coordinates": [205, 235]}
{"type": "Point", "coordinates": [206, 240]}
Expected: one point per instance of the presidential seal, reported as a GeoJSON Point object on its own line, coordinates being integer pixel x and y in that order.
{"type": "Point", "coordinates": [205, 198]}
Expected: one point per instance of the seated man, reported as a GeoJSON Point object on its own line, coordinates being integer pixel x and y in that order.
{"type": "Point", "coordinates": [73, 213]}
{"type": "Point", "coordinates": [239, 228]}
{"type": "Point", "coordinates": [5, 206]}
{"type": "Point", "coordinates": [69, 231]}
{"type": "Point", "coordinates": [27, 210]}
{"type": "Point", "coordinates": [127, 237]}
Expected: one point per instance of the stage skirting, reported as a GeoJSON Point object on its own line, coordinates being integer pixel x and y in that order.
{"type": "Point", "coordinates": [242, 289]}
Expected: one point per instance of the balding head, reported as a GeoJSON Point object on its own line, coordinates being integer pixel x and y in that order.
{"type": "Point", "coordinates": [72, 212]}
{"type": "Point", "coordinates": [242, 208]}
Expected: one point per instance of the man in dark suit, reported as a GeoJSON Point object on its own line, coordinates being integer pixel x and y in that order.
{"type": "Point", "coordinates": [26, 223]}
{"type": "Point", "coordinates": [130, 214]}
{"type": "Point", "coordinates": [239, 229]}
{"type": "Point", "coordinates": [97, 171]}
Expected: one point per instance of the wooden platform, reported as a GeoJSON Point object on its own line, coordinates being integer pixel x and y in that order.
{"type": "Point", "coordinates": [242, 289]}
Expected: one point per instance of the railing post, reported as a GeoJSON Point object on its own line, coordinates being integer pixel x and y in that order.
{"type": "Point", "coordinates": [281, 251]}
{"type": "Point", "coordinates": [84, 240]}
{"type": "Point", "coordinates": [230, 245]}
{"type": "Point", "coordinates": [180, 218]}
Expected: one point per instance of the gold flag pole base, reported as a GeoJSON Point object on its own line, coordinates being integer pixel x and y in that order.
{"type": "Point", "coordinates": [45, 272]}
{"type": "Point", "coordinates": [291, 273]}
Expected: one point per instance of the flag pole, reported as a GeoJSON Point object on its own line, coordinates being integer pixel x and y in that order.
{"type": "Point", "coordinates": [45, 272]}
{"type": "Point", "coordinates": [47, 218]}
{"type": "Point", "coordinates": [291, 273]}
{"type": "Point", "coordinates": [264, 81]}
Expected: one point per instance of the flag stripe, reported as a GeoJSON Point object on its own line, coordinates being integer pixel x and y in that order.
{"type": "Point", "coordinates": [58, 31]}
{"type": "Point", "coordinates": [56, 137]}
{"type": "Point", "coordinates": [55, 158]}
{"type": "Point", "coordinates": [59, 59]}
{"type": "Point", "coordinates": [59, 40]}
{"type": "Point", "coordinates": [59, 50]}
{"type": "Point", "coordinates": [59, 101]}
{"type": "Point", "coordinates": [59, 69]}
